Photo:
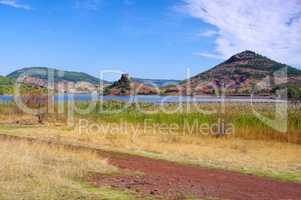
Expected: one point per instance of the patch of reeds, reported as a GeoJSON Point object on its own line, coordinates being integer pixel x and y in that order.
{"type": "Point", "coordinates": [240, 115]}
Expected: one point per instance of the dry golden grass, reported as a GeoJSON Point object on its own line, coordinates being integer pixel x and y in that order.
{"type": "Point", "coordinates": [270, 158]}
{"type": "Point", "coordinates": [43, 172]}
{"type": "Point", "coordinates": [230, 153]}
{"type": "Point", "coordinates": [271, 153]}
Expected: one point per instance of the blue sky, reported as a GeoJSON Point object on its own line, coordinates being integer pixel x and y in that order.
{"type": "Point", "coordinates": [146, 38]}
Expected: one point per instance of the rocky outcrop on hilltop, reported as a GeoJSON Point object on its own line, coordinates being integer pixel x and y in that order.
{"type": "Point", "coordinates": [126, 86]}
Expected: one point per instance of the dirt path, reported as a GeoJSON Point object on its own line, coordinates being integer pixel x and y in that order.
{"type": "Point", "coordinates": [176, 181]}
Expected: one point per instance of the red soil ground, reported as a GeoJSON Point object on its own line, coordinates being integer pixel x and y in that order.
{"type": "Point", "coordinates": [176, 181]}
{"type": "Point", "coordinates": [171, 180]}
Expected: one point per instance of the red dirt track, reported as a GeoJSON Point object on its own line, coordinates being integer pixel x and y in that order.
{"type": "Point", "coordinates": [177, 181]}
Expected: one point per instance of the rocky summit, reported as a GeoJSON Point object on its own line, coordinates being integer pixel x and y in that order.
{"type": "Point", "coordinates": [242, 74]}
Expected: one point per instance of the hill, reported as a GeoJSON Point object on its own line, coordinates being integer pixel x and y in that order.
{"type": "Point", "coordinates": [59, 76]}
{"type": "Point", "coordinates": [127, 86]}
{"type": "Point", "coordinates": [7, 87]}
{"type": "Point", "coordinates": [64, 81]}
{"type": "Point", "coordinates": [240, 74]}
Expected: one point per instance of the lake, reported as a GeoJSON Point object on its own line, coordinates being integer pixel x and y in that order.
{"type": "Point", "coordinates": [159, 99]}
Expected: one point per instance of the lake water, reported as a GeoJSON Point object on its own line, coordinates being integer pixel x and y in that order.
{"type": "Point", "coordinates": [158, 99]}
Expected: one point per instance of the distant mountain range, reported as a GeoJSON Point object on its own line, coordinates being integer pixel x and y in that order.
{"type": "Point", "coordinates": [75, 82]}
{"type": "Point", "coordinates": [242, 74]}
{"type": "Point", "coordinates": [156, 82]}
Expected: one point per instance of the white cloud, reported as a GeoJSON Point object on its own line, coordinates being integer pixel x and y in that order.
{"type": "Point", "coordinates": [15, 4]}
{"type": "Point", "coordinates": [88, 4]}
{"type": "Point", "coordinates": [269, 27]}
{"type": "Point", "coordinates": [209, 33]}
{"type": "Point", "coordinates": [209, 55]}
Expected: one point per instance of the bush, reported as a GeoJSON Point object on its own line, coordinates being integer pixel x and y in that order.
{"type": "Point", "coordinates": [37, 100]}
{"type": "Point", "coordinates": [293, 92]}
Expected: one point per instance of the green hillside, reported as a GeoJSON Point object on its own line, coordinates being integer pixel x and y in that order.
{"type": "Point", "coordinates": [7, 87]}
{"type": "Point", "coordinates": [43, 72]}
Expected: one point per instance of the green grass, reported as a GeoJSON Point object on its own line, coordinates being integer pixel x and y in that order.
{"type": "Point", "coordinates": [114, 194]}
{"type": "Point", "coordinates": [283, 176]}
{"type": "Point", "coordinates": [246, 124]}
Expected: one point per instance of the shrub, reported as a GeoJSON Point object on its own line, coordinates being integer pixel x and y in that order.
{"type": "Point", "coordinates": [37, 100]}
